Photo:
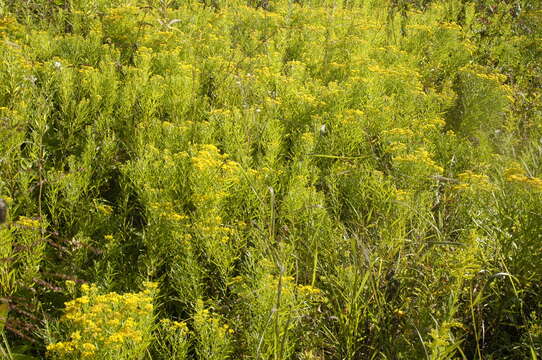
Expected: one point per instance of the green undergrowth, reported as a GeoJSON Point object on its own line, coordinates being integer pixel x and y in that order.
{"type": "Point", "coordinates": [254, 179]}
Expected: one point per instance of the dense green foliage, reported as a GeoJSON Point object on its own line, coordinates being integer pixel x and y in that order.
{"type": "Point", "coordinates": [252, 179]}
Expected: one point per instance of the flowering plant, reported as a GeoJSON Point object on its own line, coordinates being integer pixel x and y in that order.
{"type": "Point", "coordinates": [108, 326]}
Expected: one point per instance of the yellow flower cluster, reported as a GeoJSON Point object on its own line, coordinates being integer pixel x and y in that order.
{"type": "Point", "coordinates": [209, 157]}
{"type": "Point", "coordinates": [211, 227]}
{"type": "Point", "coordinates": [213, 336]}
{"type": "Point", "coordinates": [104, 209]}
{"type": "Point", "coordinates": [450, 26]}
{"type": "Point", "coordinates": [396, 146]}
{"type": "Point", "coordinates": [165, 210]}
{"type": "Point", "coordinates": [402, 195]}
{"type": "Point", "coordinates": [481, 72]}
{"type": "Point", "coordinates": [204, 317]}
{"type": "Point", "coordinates": [214, 174]}
{"type": "Point", "coordinates": [28, 222]}
{"type": "Point", "coordinates": [175, 325]}
{"type": "Point", "coordinates": [436, 123]}
{"type": "Point", "coordinates": [420, 156]}
{"type": "Point", "coordinates": [308, 290]}
{"type": "Point", "coordinates": [516, 174]}
{"type": "Point", "coordinates": [533, 182]}
{"type": "Point", "coordinates": [127, 10]}
{"type": "Point", "coordinates": [9, 24]}
{"type": "Point", "coordinates": [106, 324]}
{"type": "Point", "coordinates": [472, 181]}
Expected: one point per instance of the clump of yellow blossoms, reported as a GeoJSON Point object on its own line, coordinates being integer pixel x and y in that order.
{"type": "Point", "coordinates": [29, 223]}
{"type": "Point", "coordinates": [108, 326]}
{"type": "Point", "coordinates": [473, 181]}
{"type": "Point", "coordinates": [516, 175]}
{"type": "Point", "coordinates": [213, 337]}
{"type": "Point", "coordinates": [420, 157]}
{"type": "Point", "coordinates": [534, 182]}
{"type": "Point", "coordinates": [209, 157]}
{"type": "Point", "coordinates": [172, 339]}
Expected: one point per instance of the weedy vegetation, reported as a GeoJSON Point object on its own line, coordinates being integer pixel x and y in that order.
{"type": "Point", "coordinates": [280, 179]}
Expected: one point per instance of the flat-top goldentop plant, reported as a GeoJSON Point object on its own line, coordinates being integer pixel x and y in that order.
{"type": "Point", "coordinates": [312, 179]}
{"type": "Point", "coordinates": [106, 326]}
